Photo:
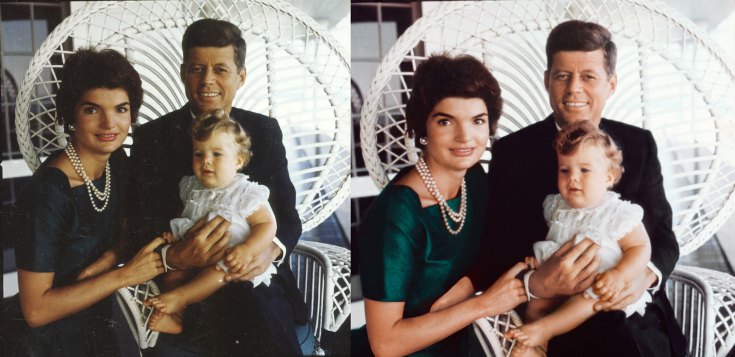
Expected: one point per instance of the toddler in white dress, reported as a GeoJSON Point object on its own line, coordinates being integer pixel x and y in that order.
{"type": "Point", "coordinates": [221, 148]}
{"type": "Point", "coordinates": [589, 164]}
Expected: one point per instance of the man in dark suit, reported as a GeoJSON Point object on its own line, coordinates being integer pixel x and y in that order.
{"type": "Point", "coordinates": [238, 319]}
{"type": "Point", "coordinates": [580, 77]}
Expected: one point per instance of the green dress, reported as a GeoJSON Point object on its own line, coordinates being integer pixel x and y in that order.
{"type": "Point", "coordinates": [58, 231]}
{"type": "Point", "coordinates": [407, 254]}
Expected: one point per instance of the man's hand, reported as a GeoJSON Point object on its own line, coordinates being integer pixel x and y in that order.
{"type": "Point", "coordinates": [568, 271]}
{"type": "Point", "coordinates": [257, 265]}
{"type": "Point", "coordinates": [632, 291]}
{"type": "Point", "coordinates": [203, 244]}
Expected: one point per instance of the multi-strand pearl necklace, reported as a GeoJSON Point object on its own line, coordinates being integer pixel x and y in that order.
{"type": "Point", "coordinates": [91, 189]}
{"type": "Point", "coordinates": [446, 211]}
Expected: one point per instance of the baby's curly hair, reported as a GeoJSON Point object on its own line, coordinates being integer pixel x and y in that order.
{"type": "Point", "coordinates": [205, 125]}
{"type": "Point", "coordinates": [569, 139]}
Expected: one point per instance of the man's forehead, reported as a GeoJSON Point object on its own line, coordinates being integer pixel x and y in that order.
{"type": "Point", "coordinates": [212, 55]}
{"type": "Point", "coordinates": [579, 60]}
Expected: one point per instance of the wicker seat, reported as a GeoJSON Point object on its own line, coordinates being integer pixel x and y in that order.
{"type": "Point", "coordinates": [296, 73]}
{"type": "Point", "coordinates": [672, 81]}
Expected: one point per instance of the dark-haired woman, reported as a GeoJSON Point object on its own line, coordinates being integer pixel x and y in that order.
{"type": "Point", "coordinates": [423, 232]}
{"type": "Point", "coordinates": [67, 247]}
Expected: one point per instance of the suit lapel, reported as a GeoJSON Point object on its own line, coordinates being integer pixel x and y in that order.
{"type": "Point", "coordinates": [548, 154]}
{"type": "Point", "coordinates": [181, 143]}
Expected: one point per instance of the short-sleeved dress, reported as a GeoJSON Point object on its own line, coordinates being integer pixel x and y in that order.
{"type": "Point", "coordinates": [234, 203]}
{"type": "Point", "coordinates": [605, 224]}
{"type": "Point", "coordinates": [407, 255]}
{"type": "Point", "coordinates": [60, 232]}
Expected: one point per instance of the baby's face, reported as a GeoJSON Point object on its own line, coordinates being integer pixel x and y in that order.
{"type": "Point", "coordinates": [216, 160]}
{"type": "Point", "coordinates": [584, 176]}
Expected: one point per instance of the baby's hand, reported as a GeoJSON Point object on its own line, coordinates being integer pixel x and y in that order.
{"type": "Point", "coordinates": [168, 237]}
{"type": "Point", "coordinates": [237, 260]}
{"type": "Point", "coordinates": [532, 262]}
{"type": "Point", "coordinates": [608, 285]}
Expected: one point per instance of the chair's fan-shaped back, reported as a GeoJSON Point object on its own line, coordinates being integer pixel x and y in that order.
{"type": "Point", "coordinates": [296, 73]}
{"type": "Point", "coordinates": [671, 81]}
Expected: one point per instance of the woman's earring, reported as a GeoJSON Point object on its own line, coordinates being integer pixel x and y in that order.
{"type": "Point", "coordinates": [60, 134]}
{"type": "Point", "coordinates": [409, 140]}
{"type": "Point", "coordinates": [423, 140]}
{"type": "Point", "coordinates": [72, 127]}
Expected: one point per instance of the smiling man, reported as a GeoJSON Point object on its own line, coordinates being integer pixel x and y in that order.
{"type": "Point", "coordinates": [237, 320]}
{"type": "Point", "coordinates": [579, 79]}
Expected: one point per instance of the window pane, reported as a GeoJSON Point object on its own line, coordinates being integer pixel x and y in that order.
{"type": "Point", "coordinates": [16, 28]}
{"type": "Point", "coordinates": [46, 18]}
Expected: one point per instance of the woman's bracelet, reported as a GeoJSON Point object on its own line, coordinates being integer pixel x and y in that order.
{"type": "Point", "coordinates": [526, 280]}
{"type": "Point", "coordinates": [166, 267]}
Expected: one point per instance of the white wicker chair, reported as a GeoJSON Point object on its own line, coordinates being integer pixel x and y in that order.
{"type": "Point", "coordinates": [662, 59]}
{"type": "Point", "coordinates": [296, 73]}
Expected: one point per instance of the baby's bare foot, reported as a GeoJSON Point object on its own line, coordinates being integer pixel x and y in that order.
{"type": "Point", "coordinates": [166, 323]}
{"type": "Point", "coordinates": [168, 303]}
{"type": "Point", "coordinates": [531, 335]}
{"type": "Point", "coordinates": [520, 350]}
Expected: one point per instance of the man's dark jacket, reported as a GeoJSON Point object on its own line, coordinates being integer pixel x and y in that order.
{"type": "Point", "coordinates": [523, 171]}
{"type": "Point", "coordinates": [161, 155]}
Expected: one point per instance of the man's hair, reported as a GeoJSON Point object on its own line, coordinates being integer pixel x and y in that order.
{"type": "Point", "coordinates": [571, 138]}
{"type": "Point", "coordinates": [443, 76]}
{"type": "Point", "coordinates": [89, 69]}
{"type": "Point", "coordinates": [204, 126]}
{"type": "Point", "coordinates": [575, 35]}
{"type": "Point", "coordinates": [214, 33]}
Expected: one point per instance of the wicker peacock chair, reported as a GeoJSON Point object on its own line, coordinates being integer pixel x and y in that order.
{"type": "Point", "coordinates": [672, 81]}
{"type": "Point", "coordinates": [296, 73]}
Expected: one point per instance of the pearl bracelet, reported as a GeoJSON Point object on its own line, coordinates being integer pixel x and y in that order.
{"type": "Point", "coordinates": [166, 267]}
{"type": "Point", "coordinates": [526, 278]}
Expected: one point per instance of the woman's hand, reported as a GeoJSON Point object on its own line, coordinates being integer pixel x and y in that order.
{"type": "Point", "coordinates": [506, 293]}
{"type": "Point", "coordinates": [144, 266]}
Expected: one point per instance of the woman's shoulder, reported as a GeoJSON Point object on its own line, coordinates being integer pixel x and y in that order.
{"type": "Point", "coordinates": [50, 175]}
{"type": "Point", "coordinates": [47, 184]}
{"type": "Point", "coordinates": [398, 197]}
{"type": "Point", "coordinates": [392, 220]}
{"type": "Point", "coordinates": [395, 213]}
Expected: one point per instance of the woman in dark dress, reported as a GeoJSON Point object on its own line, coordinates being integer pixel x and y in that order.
{"type": "Point", "coordinates": [423, 231]}
{"type": "Point", "coordinates": [68, 244]}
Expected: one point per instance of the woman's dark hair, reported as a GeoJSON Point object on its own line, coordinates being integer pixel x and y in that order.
{"type": "Point", "coordinates": [569, 140]}
{"type": "Point", "coordinates": [443, 76]}
{"type": "Point", "coordinates": [204, 126]}
{"type": "Point", "coordinates": [90, 69]}
{"type": "Point", "coordinates": [214, 33]}
{"type": "Point", "coordinates": [575, 35]}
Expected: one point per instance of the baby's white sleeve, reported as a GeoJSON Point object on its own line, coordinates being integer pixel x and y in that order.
{"type": "Point", "coordinates": [627, 216]}
{"type": "Point", "coordinates": [252, 198]}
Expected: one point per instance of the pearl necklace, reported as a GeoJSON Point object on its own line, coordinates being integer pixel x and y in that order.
{"type": "Point", "coordinates": [93, 192]}
{"type": "Point", "coordinates": [446, 211]}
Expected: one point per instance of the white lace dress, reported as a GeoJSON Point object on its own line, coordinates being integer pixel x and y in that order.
{"type": "Point", "coordinates": [605, 224]}
{"type": "Point", "coordinates": [234, 203]}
